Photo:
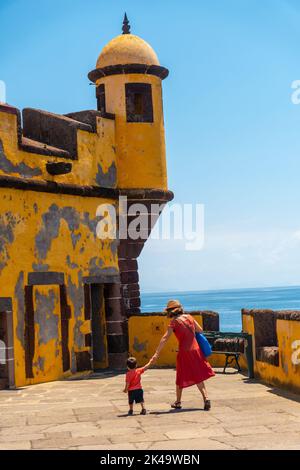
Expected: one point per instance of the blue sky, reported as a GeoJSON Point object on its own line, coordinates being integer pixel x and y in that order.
{"type": "Point", "coordinates": [232, 131]}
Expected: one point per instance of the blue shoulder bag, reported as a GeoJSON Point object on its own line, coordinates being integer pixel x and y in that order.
{"type": "Point", "coordinates": [203, 344]}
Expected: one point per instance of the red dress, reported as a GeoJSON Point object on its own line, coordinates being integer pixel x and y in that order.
{"type": "Point", "coordinates": [192, 366]}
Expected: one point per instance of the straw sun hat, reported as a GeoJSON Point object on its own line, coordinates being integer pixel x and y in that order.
{"type": "Point", "coordinates": [174, 306]}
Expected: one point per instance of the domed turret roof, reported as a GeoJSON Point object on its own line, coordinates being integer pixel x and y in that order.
{"type": "Point", "coordinates": [127, 53]}
{"type": "Point", "coordinates": [127, 49]}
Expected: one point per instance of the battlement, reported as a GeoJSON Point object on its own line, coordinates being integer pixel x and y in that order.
{"type": "Point", "coordinates": [54, 129]}
{"type": "Point", "coordinates": [275, 345]}
{"type": "Point", "coordinates": [86, 139]}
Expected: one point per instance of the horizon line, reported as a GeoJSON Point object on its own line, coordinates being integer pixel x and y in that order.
{"type": "Point", "coordinates": [291, 286]}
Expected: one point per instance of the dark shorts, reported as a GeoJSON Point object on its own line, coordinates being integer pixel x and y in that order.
{"type": "Point", "coordinates": [136, 396]}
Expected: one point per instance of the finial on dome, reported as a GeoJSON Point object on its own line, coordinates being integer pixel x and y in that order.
{"type": "Point", "coordinates": [126, 25]}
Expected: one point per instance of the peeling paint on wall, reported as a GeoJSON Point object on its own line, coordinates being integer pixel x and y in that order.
{"type": "Point", "coordinates": [91, 223]}
{"type": "Point", "coordinates": [95, 266]}
{"type": "Point", "coordinates": [139, 347]}
{"type": "Point", "coordinates": [51, 224]}
{"type": "Point", "coordinates": [40, 267]}
{"type": "Point", "coordinates": [76, 294]}
{"type": "Point", "coordinates": [40, 364]}
{"type": "Point", "coordinates": [75, 239]}
{"type": "Point", "coordinates": [114, 246]}
{"type": "Point", "coordinates": [70, 264]}
{"type": "Point", "coordinates": [45, 316]}
{"type": "Point", "coordinates": [21, 168]}
{"type": "Point", "coordinates": [8, 223]}
{"type": "Point", "coordinates": [108, 179]}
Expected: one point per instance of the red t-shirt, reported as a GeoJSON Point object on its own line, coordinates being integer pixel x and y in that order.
{"type": "Point", "coordinates": [133, 378]}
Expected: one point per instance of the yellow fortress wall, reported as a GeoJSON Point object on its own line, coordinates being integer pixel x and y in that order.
{"type": "Point", "coordinates": [47, 235]}
{"type": "Point", "coordinates": [67, 292]}
{"type": "Point", "coordinates": [276, 346]}
{"type": "Point", "coordinates": [146, 331]}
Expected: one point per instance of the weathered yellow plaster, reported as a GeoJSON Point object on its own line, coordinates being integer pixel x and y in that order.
{"type": "Point", "coordinates": [93, 149]}
{"type": "Point", "coordinates": [145, 333]}
{"type": "Point", "coordinates": [287, 373]}
{"type": "Point", "coordinates": [23, 213]}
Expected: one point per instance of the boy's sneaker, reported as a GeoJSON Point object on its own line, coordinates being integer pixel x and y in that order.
{"type": "Point", "coordinates": [143, 412]}
{"type": "Point", "coordinates": [130, 412]}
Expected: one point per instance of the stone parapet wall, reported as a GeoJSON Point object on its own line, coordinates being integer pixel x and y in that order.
{"type": "Point", "coordinates": [276, 345]}
{"type": "Point", "coordinates": [146, 329]}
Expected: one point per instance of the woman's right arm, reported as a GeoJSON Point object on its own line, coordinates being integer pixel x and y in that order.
{"type": "Point", "coordinates": [163, 341]}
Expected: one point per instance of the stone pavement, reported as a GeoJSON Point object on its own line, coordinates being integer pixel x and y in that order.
{"type": "Point", "coordinates": [91, 414]}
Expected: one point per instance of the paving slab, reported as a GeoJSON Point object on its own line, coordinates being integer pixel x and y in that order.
{"type": "Point", "coordinates": [91, 414]}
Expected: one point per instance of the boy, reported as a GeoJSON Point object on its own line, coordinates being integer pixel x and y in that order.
{"type": "Point", "coordinates": [133, 384]}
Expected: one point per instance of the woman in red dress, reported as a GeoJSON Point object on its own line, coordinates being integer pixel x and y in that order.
{"type": "Point", "coordinates": [192, 368]}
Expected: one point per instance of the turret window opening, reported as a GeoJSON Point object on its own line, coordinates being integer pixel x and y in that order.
{"type": "Point", "coordinates": [139, 106]}
{"type": "Point", "coordinates": [101, 104]}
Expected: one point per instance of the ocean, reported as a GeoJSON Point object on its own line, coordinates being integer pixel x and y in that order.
{"type": "Point", "coordinates": [228, 303]}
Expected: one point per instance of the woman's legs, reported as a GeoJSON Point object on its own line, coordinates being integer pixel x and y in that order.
{"type": "Point", "coordinates": [178, 394]}
{"type": "Point", "coordinates": [177, 403]}
{"type": "Point", "coordinates": [202, 388]}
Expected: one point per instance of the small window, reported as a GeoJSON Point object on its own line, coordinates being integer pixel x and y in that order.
{"type": "Point", "coordinates": [101, 104]}
{"type": "Point", "coordinates": [139, 107]}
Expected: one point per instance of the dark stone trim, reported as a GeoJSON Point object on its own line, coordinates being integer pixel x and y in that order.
{"type": "Point", "coordinates": [6, 311]}
{"type": "Point", "coordinates": [101, 279]}
{"type": "Point", "coordinates": [57, 188]}
{"type": "Point", "coordinates": [90, 117]}
{"type": "Point", "coordinates": [29, 335]}
{"type": "Point", "coordinates": [87, 302]}
{"type": "Point", "coordinates": [132, 311]}
{"type": "Point", "coordinates": [117, 361]}
{"type": "Point", "coordinates": [28, 145]}
{"type": "Point", "coordinates": [58, 168]}
{"type": "Point", "coordinates": [5, 304]}
{"type": "Point", "coordinates": [211, 321]}
{"type": "Point", "coordinates": [65, 310]}
{"type": "Point", "coordinates": [121, 69]}
{"type": "Point", "coordinates": [254, 312]}
{"type": "Point", "coordinates": [161, 314]}
{"type": "Point", "coordinates": [88, 340]}
{"type": "Point", "coordinates": [85, 191]}
{"type": "Point", "coordinates": [116, 343]}
{"type": "Point", "coordinates": [53, 129]}
{"type": "Point", "coordinates": [83, 361]}
{"type": "Point", "coordinates": [6, 108]}
{"type": "Point", "coordinates": [101, 103]}
{"type": "Point", "coordinates": [154, 195]}
{"type": "Point", "coordinates": [110, 116]}
{"type": "Point", "coordinates": [268, 354]}
{"type": "Point", "coordinates": [45, 279]}
{"type": "Point", "coordinates": [289, 315]}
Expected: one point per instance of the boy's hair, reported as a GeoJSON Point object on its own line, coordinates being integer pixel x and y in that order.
{"type": "Point", "coordinates": [131, 362]}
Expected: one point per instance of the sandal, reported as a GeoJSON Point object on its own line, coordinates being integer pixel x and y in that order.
{"type": "Point", "coordinates": [176, 405]}
{"type": "Point", "coordinates": [207, 405]}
